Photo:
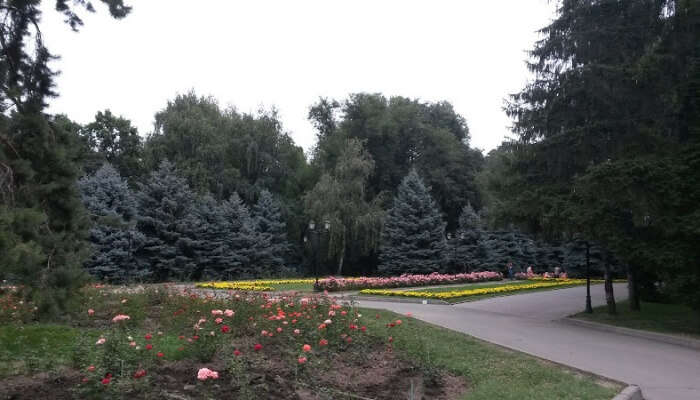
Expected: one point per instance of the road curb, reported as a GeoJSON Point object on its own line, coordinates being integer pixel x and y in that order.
{"type": "Point", "coordinates": [659, 337]}
{"type": "Point", "coordinates": [631, 392]}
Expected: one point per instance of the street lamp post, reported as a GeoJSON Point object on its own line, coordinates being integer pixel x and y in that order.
{"type": "Point", "coordinates": [315, 243]}
{"type": "Point", "coordinates": [454, 248]}
{"type": "Point", "coordinates": [589, 308]}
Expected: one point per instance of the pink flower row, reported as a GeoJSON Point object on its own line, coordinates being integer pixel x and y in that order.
{"type": "Point", "coordinates": [338, 284]}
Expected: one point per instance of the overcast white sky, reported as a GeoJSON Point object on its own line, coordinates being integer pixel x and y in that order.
{"type": "Point", "coordinates": [288, 53]}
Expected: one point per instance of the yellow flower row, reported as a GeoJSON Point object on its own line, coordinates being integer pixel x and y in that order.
{"type": "Point", "coordinates": [233, 286]}
{"type": "Point", "coordinates": [475, 291]}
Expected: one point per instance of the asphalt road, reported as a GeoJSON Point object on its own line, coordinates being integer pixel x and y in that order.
{"type": "Point", "coordinates": [532, 323]}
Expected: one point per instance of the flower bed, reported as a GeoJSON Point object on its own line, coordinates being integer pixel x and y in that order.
{"type": "Point", "coordinates": [220, 345]}
{"type": "Point", "coordinates": [234, 286]}
{"type": "Point", "coordinates": [477, 291]}
{"type": "Point", "coordinates": [258, 285]}
{"type": "Point", "coordinates": [337, 284]}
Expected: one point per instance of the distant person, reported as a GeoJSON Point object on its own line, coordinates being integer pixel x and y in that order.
{"type": "Point", "coordinates": [510, 271]}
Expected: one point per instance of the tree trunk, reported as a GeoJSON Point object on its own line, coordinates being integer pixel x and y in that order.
{"type": "Point", "coordinates": [341, 258]}
{"type": "Point", "coordinates": [609, 294]}
{"type": "Point", "coordinates": [632, 288]}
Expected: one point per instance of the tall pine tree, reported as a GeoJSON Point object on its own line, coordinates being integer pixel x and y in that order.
{"type": "Point", "coordinates": [413, 239]}
{"type": "Point", "coordinates": [42, 223]}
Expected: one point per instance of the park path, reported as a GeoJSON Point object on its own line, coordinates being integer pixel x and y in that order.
{"type": "Point", "coordinates": [532, 323]}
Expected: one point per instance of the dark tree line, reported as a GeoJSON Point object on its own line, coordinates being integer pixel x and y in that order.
{"type": "Point", "coordinates": [164, 231]}
{"type": "Point", "coordinates": [607, 140]}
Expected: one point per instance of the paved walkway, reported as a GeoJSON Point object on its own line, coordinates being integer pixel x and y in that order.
{"type": "Point", "coordinates": [531, 323]}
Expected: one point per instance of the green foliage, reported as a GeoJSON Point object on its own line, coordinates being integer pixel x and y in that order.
{"type": "Point", "coordinates": [112, 139]}
{"type": "Point", "coordinates": [399, 134]}
{"type": "Point", "coordinates": [340, 198]}
{"type": "Point", "coordinates": [413, 239]}
{"type": "Point", "coordinates": [199, 137]}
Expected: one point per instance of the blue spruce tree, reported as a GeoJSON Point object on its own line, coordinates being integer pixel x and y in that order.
{"type": "Point", "coordinates": [246, 246]}
{"type": "Point", "coordinates": [166, 217]}
{"type": "Point", "coordinates": [267, 215]}
{"type": "Point", "coordinates": [114, 238]}
{"type": "Point", "coordinates": [413, 238]}
{"type": "Point", "coordinates": [209, 233]}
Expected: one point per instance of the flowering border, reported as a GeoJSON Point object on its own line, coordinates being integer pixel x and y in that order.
{"type": "Point", "coordinates": [539, 284]}
{"type": "Point", "coordinates": [338, 284]}
{"type": "Point", "coordinates": [233, 286]}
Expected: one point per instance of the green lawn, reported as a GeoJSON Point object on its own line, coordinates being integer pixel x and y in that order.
{"type": "Point", "coordinates": [492, 371]}
{"type": "Point", "coordinates": [299, 287]}
{"type": "Point", "coordinates": [488, 285]}
{"type": "Point", "coordinates": [664, 318]}
{"type": "Point", "coordinates": [37, 347]}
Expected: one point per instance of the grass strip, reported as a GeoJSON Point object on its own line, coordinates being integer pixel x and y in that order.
{"type": "Point", "coordinates": [675, 319]}
{"type": "Point", "coordinates": [491, 371]}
